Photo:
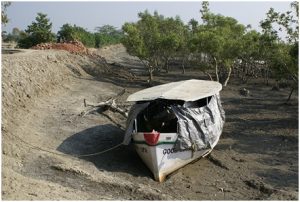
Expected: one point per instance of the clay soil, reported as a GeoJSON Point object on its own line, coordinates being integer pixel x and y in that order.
{"type": "Point", "coordinates": [42, 97]}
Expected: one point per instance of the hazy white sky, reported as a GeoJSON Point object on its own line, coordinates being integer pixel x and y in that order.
{"type": "Point", "coordinates": [92, 14]}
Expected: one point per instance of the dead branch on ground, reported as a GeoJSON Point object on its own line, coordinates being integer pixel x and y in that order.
{"type": "Point", "coordinates": [108, 104]}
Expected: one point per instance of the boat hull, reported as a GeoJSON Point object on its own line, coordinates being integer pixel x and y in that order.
{"type": "Point", "coordinates": [162, 159]}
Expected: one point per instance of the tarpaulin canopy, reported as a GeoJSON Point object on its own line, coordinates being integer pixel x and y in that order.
{"type": "Point", "coordinates": [199, 127]}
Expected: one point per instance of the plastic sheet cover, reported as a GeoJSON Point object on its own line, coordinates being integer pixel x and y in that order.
{"type": "Point", "coordinates": [134, 111]}
{"type": "Point", "coordinates": [198, 127]}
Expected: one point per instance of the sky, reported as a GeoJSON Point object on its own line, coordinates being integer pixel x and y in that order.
{"type": "Point", "coordinates": [90, 15]}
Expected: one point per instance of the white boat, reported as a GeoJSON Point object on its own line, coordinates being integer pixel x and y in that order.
{"type": "Point", "coordinates": [156, 142]}
{"type": "Point", "coordinates": [161, 158]}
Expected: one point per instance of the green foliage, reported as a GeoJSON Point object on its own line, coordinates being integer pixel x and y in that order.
{"type": "Point", "coordinates": [193, 25]}
{"type": "Point", "coordinates": [219, 38]}
{"type": "Point", "coordinates": [107, 30]}
{"type": "Point", "coordinates": [250, 46]}
{"type": "Point", "coordinates": [107, 35]}
{"type": "Point", "coordinates": [66, 33]}
{"type": "Point", "coordinates": [69, 33]}
{"type": "Point", "coordinates": [133, 41]}
{"type": "Point", "coordinates": [281, 57]}
{"type": "Point", "coordinates": [155, 39]}
{"type": "Point", "coordinates": [142, 39]}
{"type": "Point", "coordinates": [219, 43]}
{"type": "Point", "coordinates": [38, 32]}
{"type": "Point", "coordinates": [15, 36]}
{"type": "Point", "coordinates": [4, 18]}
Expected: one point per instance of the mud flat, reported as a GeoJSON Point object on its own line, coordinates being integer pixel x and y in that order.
{"type": "Point", "coordinates": [43, 93]}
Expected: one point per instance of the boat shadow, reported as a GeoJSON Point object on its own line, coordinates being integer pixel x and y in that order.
{"type": "Point", "coordinates": [122, 159]}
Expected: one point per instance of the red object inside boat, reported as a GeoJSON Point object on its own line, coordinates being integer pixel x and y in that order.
{"type": "Point", "coordinates": [151, 138]}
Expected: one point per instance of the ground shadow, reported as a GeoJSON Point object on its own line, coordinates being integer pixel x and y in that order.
{"type": "Point", "coordinates": [123, 159]}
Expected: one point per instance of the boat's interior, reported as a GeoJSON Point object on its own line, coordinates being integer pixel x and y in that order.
{"type": "Point", "coordinates": [159, 116]}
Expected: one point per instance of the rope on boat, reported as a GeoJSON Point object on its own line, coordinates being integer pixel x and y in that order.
{"type": "Point", "coordinates": [62, 154]}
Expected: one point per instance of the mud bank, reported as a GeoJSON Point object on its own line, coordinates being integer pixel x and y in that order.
{"type": "Point", "coordinates": [43, 93]}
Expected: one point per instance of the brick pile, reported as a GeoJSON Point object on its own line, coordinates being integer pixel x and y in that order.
{"type": "Point", "coordinates": [72, 47]}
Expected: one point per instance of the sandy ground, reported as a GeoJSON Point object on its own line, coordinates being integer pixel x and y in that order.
{"type": "Point", "coordinates": [43, 93]}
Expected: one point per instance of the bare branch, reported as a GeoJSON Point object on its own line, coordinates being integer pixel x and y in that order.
{"type": "Point", "coordinates": [109, 104]}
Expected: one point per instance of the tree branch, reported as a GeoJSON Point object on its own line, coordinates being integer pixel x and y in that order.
{"type": "Point", "coordinates": [109, 104]}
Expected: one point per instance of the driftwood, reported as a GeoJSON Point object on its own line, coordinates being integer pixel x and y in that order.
{"type": "Point", "coordinates": [108, 104]}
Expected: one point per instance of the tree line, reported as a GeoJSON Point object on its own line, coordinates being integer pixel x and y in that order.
{"type": "Point", "coordinates": [40, 31]}
{"type": "Point", "coordinates": [217, 45]}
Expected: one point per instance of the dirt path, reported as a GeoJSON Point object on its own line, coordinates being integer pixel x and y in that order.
{"type": "Point", "coordinates": [256, 158]}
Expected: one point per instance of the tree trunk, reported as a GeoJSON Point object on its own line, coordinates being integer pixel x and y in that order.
{"type": "Point", "coordinates": [156, 66]}
{"type": "Point", "coordinates": [167, 65]}
{"type": "Point", "coordinates": [267, 76]}
{"type": "Point", "coordinates": [183, 64]}
{"type": "Point", "coordinates": [208, 74]}
{"type": "Point", "coordinates": [216, 69]}
{"type": "Point", "coordinates": [228, 76]}
{"type": "Point", "coordinates": [150, 70]}
{"type": "Point", "coordinates": [290, 95]}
